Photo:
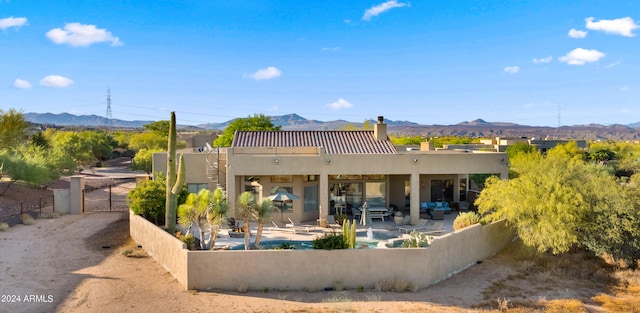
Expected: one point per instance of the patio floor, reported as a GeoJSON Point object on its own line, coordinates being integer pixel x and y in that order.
{"type": "Point", "coordinates": [269, 233]}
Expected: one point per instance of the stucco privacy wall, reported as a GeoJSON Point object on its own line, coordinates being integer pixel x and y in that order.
{"type": "Point", "coordinates": [167, 250]}
{"type": "Point", "coordinates": [317, 269]}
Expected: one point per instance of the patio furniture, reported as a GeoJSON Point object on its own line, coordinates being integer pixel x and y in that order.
{"type": "Point", "coordinates": [356, 212]}
{"type": "Point", "coordinates": [281, 227]}
{"type": "Point", "coordinates": [378, 212]}
{"type": "Point", "coordinates": [295, 224]}
{"type": "Point", "coordinates": [433, 228]}
{"type": "Point", "coordinates": [437, 214]}
{"type": "Point", "coordinates": [421, 224]}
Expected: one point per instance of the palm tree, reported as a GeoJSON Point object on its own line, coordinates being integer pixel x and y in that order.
{"type": "Point", "coordinates": [247, 205]}
{"type": "Point", "coordinates": [216, 213]}
{"type": "Point", "coordinates": [194, 210]}
{"type": "Point", "coordinates": [262, 211]}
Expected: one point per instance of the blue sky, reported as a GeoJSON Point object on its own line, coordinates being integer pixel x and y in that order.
{"type": "Point", "coordinates": [431, 62]}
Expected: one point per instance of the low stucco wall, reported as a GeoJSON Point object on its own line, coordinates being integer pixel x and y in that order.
{"type": "Point", "coordinates": [318, 269]}
{"type": "Point", "coordinates": [166, 249]}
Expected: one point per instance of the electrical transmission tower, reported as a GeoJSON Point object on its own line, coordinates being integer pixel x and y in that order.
{"type": "Point", "coordinates": [109, 116]}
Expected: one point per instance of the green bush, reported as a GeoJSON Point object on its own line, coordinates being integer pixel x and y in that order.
{"type": "Point", "coordinates": [466, 219]}
{"type": "Point", "coordinates": [329, 241]}
{"type": "Point", "coordinates": [417, 240]}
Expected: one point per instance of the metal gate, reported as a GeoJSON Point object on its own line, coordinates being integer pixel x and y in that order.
{"type": "Point", "coordinates": [107, 194]}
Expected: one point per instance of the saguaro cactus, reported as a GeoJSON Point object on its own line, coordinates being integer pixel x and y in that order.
{"type": "Point", "coordinates": [171, 199]}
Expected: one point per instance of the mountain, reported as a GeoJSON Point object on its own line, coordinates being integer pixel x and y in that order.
{"type": "Point", "coordinates": [475, 128]}
{"type": "Point", "coordinates": [66, 119]}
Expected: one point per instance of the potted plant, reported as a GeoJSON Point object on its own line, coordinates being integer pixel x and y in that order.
{"type": "Point", "coordinates": [398, 217]}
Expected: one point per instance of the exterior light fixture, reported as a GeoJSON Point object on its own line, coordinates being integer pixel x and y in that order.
{"type": "Point", "coordinates": [277, 161]}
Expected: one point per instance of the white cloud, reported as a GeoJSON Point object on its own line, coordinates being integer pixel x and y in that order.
{"type": "Point", "coordinates": [622, 26]}
{"type": "Point", "coordinates": [512, 69]}
{"type": "Point", "coordinates": [266, 73]}
{"type": "Point", "coordinates": [21, 84]}
{"type": "Point", "coordinates": [624, 88]}
{"type": "Point", "coordinates": [581, 56]}
{"type": "Point", "coordinates": [542, 60]}
{"type": "Point", "coordinates": [12, 22]}
{"type": "Point", "coordinates": [574, 33]}
{"type": "Point", "coordinates": [381, 8]}
{"type": "Point", "coordinates": [330, 48]}
{"type": "Point", "coordinates": [340, 104]}
{"type": "Point", "coordinates": [79, 35]}
{"type": "Point", "coordinates": [56, 81]}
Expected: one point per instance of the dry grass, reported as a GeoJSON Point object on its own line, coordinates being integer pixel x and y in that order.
{"type": "Point", "coordinates": [395, 285]}
{"type": "Point", "coordinates": [578, 275]}
{"type": "Point", "coordinates": [27, 219]}
{"type": "Point", "coordinates": [4, 226]}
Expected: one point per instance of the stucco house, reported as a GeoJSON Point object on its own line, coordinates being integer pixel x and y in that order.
{"type": "Point", "coordinates": [336, 170]}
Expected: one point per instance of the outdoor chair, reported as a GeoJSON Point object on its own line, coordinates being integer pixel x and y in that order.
{"type": "Point", "coordinates": [406, 219]}
{"type": "Point", "coordinates": [293, 223]}
{"type": "Point", "coordinates": [421, 224]}
{"type": "Point", "coordinates": [356, 212]}
{"type": "Point", "coordinates": [433, 229]}
{"type": "Point", "coordinates": [331, 221]}
{"type": "Point", "coordinates": [282, 227]}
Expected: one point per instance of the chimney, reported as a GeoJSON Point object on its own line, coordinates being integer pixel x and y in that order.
{"type": "Point", "coordinates": [380, 129]}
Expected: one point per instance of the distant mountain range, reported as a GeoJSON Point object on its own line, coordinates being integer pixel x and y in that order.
{"type": "Point", "coordinates": [476, 128]}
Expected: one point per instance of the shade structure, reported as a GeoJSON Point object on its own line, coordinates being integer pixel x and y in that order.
{"type": "Point", "coordinates": [282, 195]}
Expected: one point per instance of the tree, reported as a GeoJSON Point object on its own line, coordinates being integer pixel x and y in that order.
{"type": "Point", "coordinates": [406, 140]}
{"type": "Point", "coordinates": [194, 211]}
{"type": "Point", "coordinates": [13, 129]}
{"type": "Point", "coordinates": [612, 224]}
{"type": "Point", "coordinates": [261, 212]}
{"type": "Point", "coordinates": [255, 122]}
{"type": "Point", "coordinates": [158, 127]}
{"type": "Point", "coordinates": [216, 213]}
{"type": "Point", "coordinates": [558, 201]}
{"type": "Point", "coordinates": [147, 140]}
{"type": "Point", "coordinates": [519, 147]}
{"type": "Point", "coordinates": [147, 199]}
{"type": "Point", "coordinates": [100, 143]}
{"type": "Point", "coordinates": [247, 205]}
{"type": "Point", "coordinates": [144, 159]}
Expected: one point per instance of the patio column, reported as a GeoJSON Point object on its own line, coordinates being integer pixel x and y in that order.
{"type": "Point", "coordinates": [414, 205]}
{"type": "Point", "coordinates": [324, 198]}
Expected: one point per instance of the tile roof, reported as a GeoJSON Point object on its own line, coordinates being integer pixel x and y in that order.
{"type": "Point", "coordinates": [334, 142]}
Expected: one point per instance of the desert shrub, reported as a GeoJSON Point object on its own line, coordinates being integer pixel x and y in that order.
{"type": "Point", "coordinates": [49, 215]}
{"type": "Point", "coordinates": [27, 219]}
{"type": "Point", "coordinates": [416, 240]}
{"type": "Point", "coordinates": [4, 226]}
{"type": "Point", "coordinates": [395, 285]}
{"type": "Point", "coordinates": [338, 296]}
{"type": "Point", "coordinates": [329, 241]}
{"type": "Point", "coordinates": [466, 219]}
{"type": "Point", "coordinates": [242, 287]}
{"type": "Point", "coordinates": [338, 285]}
{"type": "Point", "coordinates": [189, 240]}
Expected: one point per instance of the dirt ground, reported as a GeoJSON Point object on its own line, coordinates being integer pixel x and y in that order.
{"type": "Point", "coordinates": [75, 263]}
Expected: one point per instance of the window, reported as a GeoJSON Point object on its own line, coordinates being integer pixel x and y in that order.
{"type": "Point", "coordinates": [281, 179]}
{"type": "Point", "coordinates": [310, 198]}
{"type": "Point", "coordinates": [195, 188]}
